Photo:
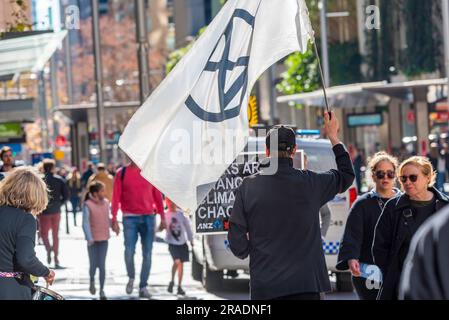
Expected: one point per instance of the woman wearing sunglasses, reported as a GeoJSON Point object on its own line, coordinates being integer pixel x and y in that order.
{"type": "Point", "coordinates": [401, 219]}
{"type": "Point", "coordinates": [355, 249]}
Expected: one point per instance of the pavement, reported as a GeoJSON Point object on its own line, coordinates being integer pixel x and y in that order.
{"type": "Point", "coordinates": [73, 281]}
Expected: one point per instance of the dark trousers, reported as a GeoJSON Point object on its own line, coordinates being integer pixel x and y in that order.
{"type": "Point", "coordinates": [362, 291]}
{"type": "Point", "coordinates": [75, 204]}
{"type": "Point", "coordinates": [301, 296]}
{"type": "Point", "coordinates": [97, 259]}
{"type": "Point", "coordinates": [49, 222]}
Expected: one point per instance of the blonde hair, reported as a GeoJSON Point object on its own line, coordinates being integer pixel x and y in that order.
{"type": "Point", "coordinates": [379, 157]}
{"type": "Point", "coordinates": [24, 189]}
{"type": "Point", "coordinates": [424, 164]}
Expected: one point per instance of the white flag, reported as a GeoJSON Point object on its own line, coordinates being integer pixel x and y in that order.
{"type": "Point", "coordinates": [195, 123]}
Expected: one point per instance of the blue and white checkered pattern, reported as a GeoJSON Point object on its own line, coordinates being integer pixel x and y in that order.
{"type": "Point", "coordinates": [331, 247]}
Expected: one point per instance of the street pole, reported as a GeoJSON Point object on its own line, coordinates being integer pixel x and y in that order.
{"type": "Point", "coordinates": [68, 64]}
{"type": "Point", "coordinates": [43, 109]}
{"type": "Point", "coordinates": [142, 53]}
{"type": "Point", "coordinates": [446, 44]}
{"type": "Point", "coordinates": [324, 49]}
{"type": "Point", "coordinates": [98, 80]}
{"type": "Point", "coordinates": [54, 97]}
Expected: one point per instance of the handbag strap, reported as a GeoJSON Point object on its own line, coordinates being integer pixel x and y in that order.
{"type": "Point", "coordinates": [17, 275]}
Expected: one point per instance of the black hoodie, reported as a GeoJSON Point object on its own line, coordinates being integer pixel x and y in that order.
{"type": "Point", "coordinates": [359, 230]}
{"type": "Point", "coordinates": [58, 193]}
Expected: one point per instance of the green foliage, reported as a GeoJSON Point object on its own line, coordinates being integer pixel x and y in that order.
{"type": "Point", "coordinates": [421, 53]}
{"type": "Point", "coordinates": [345, 61]}
{"type": "Point", "coordinates": [423, 42]}
{"type": "Point", "coordinates": [175, 57]}
{"type": "Point", "coordinates": [302, 73]}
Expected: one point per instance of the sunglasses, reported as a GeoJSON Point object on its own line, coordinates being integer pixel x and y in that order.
{"type": "Point", "coordinates": [381, 174]}
{"type": "Point", "coordinates": [412, 177]}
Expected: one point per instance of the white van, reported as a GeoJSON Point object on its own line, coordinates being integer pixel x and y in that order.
{"type": "Point", "coordinates": [212, 256]}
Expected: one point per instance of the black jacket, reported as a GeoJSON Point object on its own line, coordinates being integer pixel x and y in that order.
{"type": "Point", "coordinates": [390, 234]}
{"type": "Point", "coordinates": [58, 193]}
{"type": "Point", "coordinates": [425, 275]}
{"type": "Point", "coordinates": [280, 212]}
{"type": "Point", "coordinates": [359, 230]}
{"type": "Point", "coordinates": [17, 241]}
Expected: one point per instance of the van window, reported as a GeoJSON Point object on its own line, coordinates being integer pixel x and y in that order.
{"type": "Point", "coordinates": [320, 159]}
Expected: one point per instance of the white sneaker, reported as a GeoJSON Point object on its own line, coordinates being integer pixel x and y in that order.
{"type": "Point", "coordinates": [143, 293]}
{"type": "Point", "coordinates": [130, 286]}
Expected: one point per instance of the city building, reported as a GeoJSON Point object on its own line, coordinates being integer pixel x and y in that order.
{"type": "Point", "coordinates": [385, 79]}
{"type": "Point", "coordinates": [191, 15]}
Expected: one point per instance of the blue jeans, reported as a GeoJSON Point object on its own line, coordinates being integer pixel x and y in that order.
{"type": "Point", "coordinates": [132, 227]}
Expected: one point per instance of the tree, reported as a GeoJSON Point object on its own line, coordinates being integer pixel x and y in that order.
{"type": "Point", "coordinates": [302, 73]}
{"type": "Point", "coordinates": [119, 57]}
{"type": "Point", "coordinates": [423, 42]}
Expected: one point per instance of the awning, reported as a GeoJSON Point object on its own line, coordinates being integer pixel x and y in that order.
{"type": "Point", "coordinates": [404, 90]}
{"type": "Point", "coordinates": [369, 94]}
{"type": "Point", "coordinates": [28, 53]}
{"type": "Point", "coordinates": [346, 96]}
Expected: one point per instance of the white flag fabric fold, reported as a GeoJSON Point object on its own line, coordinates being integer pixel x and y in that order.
{"type": "Point", "coordinates": [195, 123]}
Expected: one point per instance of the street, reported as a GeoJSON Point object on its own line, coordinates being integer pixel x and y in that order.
{"type": "Point", "coordinates": [73, 282]}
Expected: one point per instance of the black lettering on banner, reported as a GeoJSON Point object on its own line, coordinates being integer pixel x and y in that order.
{"type": "Point", "coordinates": [212, 215]}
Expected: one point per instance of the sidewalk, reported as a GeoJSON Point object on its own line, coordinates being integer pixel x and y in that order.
{"type": "Point", "coordinates": [73, 282]}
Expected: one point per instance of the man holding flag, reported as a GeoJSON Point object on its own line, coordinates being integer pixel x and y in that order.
{"type": "Point", "coordinates": [275, 219]}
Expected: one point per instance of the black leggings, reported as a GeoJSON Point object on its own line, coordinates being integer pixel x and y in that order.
{"type": "Point", "coordinates": [362, 291]}
{"type": "Point", "coordinates": [97, 259]}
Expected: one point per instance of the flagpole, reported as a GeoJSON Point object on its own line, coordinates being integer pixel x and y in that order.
{"type": "Point", "coordinates": [321, 76]}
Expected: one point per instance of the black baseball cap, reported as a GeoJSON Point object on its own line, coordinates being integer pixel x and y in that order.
{"type": "Point", "coordinates": [284, 135]}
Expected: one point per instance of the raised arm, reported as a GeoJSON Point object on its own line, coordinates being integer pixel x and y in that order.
{"type": "Point", "coordinates": [337, 181]}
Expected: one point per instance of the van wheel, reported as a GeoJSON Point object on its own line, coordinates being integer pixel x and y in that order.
{"type": "Point", "coordinates": [197, 269]}
{"type": "Point", "coordinates": [344, 283]}
{"type": "Point", "coordinates": [212, 280]}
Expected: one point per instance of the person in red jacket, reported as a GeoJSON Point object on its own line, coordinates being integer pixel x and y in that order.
{"type": "Point", "coordinates": [138, 201]}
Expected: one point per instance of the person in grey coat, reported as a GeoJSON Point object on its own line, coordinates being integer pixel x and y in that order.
{"type": "Point", "coordinates": [275, 219]}
{"type": "Point", "coordinates": [23, 195]}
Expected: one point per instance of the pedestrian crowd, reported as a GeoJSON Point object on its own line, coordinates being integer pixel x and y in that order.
{"type": "Point", "coordinates": [390, 245]}
{"type": "Point", "coordinates": [34, 210]}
